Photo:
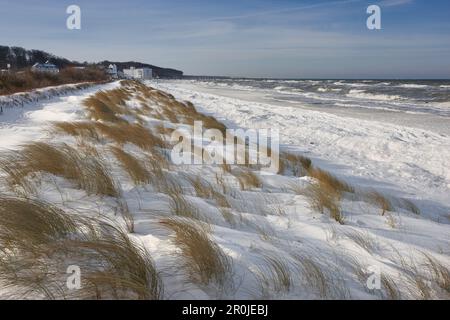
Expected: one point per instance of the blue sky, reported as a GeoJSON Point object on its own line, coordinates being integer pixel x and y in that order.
{"type": "Point", "coordinates": [254, 38]}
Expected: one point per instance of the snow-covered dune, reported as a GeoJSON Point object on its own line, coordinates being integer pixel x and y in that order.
{"type": "Point", "coordinates": [26, 115]}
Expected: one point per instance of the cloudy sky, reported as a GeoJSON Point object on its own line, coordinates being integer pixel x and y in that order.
{"type": "Point", "coordinates": [253, 38]}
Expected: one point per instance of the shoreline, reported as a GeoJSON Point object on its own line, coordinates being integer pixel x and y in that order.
{"type": "Point", "coordinates": [435, 123]}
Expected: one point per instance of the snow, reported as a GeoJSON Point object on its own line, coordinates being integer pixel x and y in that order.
{"type": "Point", "coordinates": [25, 115]}
{"type": "Point", "coordinates": [401, 161]}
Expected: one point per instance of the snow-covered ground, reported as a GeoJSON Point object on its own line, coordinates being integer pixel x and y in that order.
{"type": "Point", "coordinates": [25, 115]}
{"type": "Point", "coordinates": [401, 160]}
{"type": "Point", "coordinates": [278, 246]}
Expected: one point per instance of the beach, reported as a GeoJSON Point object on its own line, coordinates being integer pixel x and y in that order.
{"type": "Point", "coordinates": [380, 142]}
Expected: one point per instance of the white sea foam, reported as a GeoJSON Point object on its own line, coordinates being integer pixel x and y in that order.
{"type": "Point", "coordinates": [412, 86]}
{"type": "Point", "coordinates": [352, 84]}
{"type": "Point", "coordinates": [362, 94]}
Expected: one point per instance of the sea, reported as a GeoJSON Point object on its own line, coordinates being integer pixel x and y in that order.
{"type": "Point", "coordinates": [412, 96]}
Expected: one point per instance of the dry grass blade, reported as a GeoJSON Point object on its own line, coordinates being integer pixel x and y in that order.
{"type": "Point", "coordinates": [324, 198]}
{"type": "Point", "coordinates": [274, 274]}
{"type": "Point", "coordinates": [364, 240]}
{"type": "Point", "coordinates": [178, 203]}
{"type": "Point", "coordinates": [327, 193]}
{"type": "Point", "coordinates": [96, 179]}
{"type": "Point", "coordinates": [390, 288]}
{"type": "Point", "coordinates": [122, 269]}
{"type": "Point", "coordinates": [130, 133]}
{"type": "Point", "coordinates": [327, 178]}
{"type": "Point", "coordinates": [179, 112]}
{"type": "Point", "coordinates": [99, 110]}
{"type": "Point", "coordinates": [116, 97]}
{"type": "Point", "coordinates": [313, 275]}
{"type": "Point", "coordinates": [212, 123]}
{"type": "Point", "coordinates": [298, 164]}
{"type": "Point", "coordinates": [220, 199]}
{"type": "Point", "coordinates": [182, 207]}
{"type": "Point", "coordinates": [108, 106]}
{"type": "Point", "coordinates": [226, 167]}
{"type": "Point", "coordinates": [204, 258]}
{"type": "Point", "coordinates": [247, 179]}
{"type": "Point", "coordinates": [418, 284]}
{"type": "Point", "coordinates": [28, 223]}
{"type": "Point", "coordinates": [381, 201]}
{"type": "Point", "coordinates": [138, 173]}
{"type": "Point", "coordinates": [127, 216]}
{"type": "Point", "coordinates": [77, 129]}
{"type": "Point", "coordinates": [203, 189]}
{"type": "Point", "coordinates": [440, 273]}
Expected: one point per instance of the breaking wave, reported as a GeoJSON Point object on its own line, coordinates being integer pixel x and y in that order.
{"type": "Point", "coordinates": [362, 94]}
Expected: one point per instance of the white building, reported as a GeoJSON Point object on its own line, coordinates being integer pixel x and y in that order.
{"type": "Point", "coordinates": [112, 71]}
{"type": "Point", "coordinates": [139, 73]}
{"type": "Point", "coordinates": [45, 67]}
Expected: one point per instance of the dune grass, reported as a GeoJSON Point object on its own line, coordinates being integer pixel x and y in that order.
{"type": "Point", "coordinates": [226, 167]}
{"type": "Point", "coordinates": [205, 190]}
{"type": "Point", "coordinates": [204, 259]}
{"type": "Point", "coordinates": [364, 240]}
{"type": "Point", "coordinates": [26, 223]}
{"type": "Point", "coordinates": [108, 105]}
{"type": "Point", "coordinates": [330, 180]}
{"type": "Point", "coordinates": [39, 242]}
{"type": "Point", "coordinates": [323, 198]}
{"type": "Point", "coordinates": [82, 129]}
{"type": "Point", "coordinates": [326, 193]}
{"type": "Point", "coordinates": [440, 273]}
{"type": "Point", "coordinates": [247, 179]}
{"type": "Point", "coordinates": [99, 110]}
{"type": "Point", "coordinates": [120, 133]}
{"type": "Point", "coordinates": [87, 172]}
{"type": "Point", "coordinates": [130, 133]}
{"type": "Point", "coordinates": [391, 290]}
{"type": "Point", "coordinates": [182, 207]}
{"type": "Point", "coordinates": [137, 172]}
{"type": "Point", "coordinates": [274, 274]}
{"type": "Point", "coordinates": [380, 200]}
{"type": "Point", "coordinates": [127, 270]}
{"type": "Point", "coordinates": [179, 112]}
{"type": "Point", "coordinates": [298, 164]}
{"type": "Point", "coordinates": [313, 276]}
{"type": "Point", "coordinates": [418, 285]}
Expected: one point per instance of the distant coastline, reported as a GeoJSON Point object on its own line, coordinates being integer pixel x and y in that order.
{"type": "Point", "coordinates": [17, 58]}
